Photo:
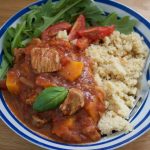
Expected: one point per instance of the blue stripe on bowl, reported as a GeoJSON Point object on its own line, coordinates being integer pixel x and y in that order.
{"type": "Point", "coordinates": [145, 117]}
{"type": "Point", "coordinates": [140, 109]}
{"type": "Point", "coordinates": [141, 132]}
{"type": "Point", "coordinates": [128, 10]}
{"type": "Point", "coordinates": [147, 42]}
{"type": "Point", "coordinates": [21, 133]}
{"type": "Point", "coordinates": [12, 19]}
{"type": "Point", "coordinates": [48, 146]}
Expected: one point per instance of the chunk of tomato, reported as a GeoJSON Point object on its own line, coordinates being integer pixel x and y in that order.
{"type": "Point", "coordinates": [65, 60]}
{"type": "Point", "coordinates": [78, 25]}
{"type": "Point", "coordinates": [54, 29]}
{"type": "Point", "coordinates": [82, 43]}
{"type": "Point", "coordinates": [96, 33]}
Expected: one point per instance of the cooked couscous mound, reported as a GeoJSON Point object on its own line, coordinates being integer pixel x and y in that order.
{"type": "Point", "coordinates": [119, 61]}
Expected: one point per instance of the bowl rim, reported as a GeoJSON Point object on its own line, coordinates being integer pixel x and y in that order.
{"type": "Point", "coordinates": [12, 19]}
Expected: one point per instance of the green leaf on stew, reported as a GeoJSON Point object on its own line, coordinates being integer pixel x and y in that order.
{"type": "Point", "coordinates": [50, 98]}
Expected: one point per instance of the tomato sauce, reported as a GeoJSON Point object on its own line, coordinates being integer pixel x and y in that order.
{"type": "Point", "coordinates": [80, 127]}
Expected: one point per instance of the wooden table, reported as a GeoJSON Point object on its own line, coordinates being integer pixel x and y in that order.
{"type": "Point", "coordinates": [8, 139]}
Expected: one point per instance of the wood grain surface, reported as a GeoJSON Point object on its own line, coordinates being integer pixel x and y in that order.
{"type": "Point", "coordinates": [11, 141]}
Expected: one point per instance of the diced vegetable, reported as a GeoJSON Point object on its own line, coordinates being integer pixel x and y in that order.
{"type": "Point", "coordinates": [64, 127]}
{"type": "Point", "coordinates": [70, 122]}
{"type": "Point", "coordinates": [64, 61]}
{"type": "Point", "coordinates": [61, 44]}
{"type": "Point", "coordinates": [53, 30]}
{"type": "Point", "coordinates": [44, 82]}
{"type": "Point", "coordinates": [96, 33]}
{"type": "Point", "coordinates": [78, 25]}
{"type": "Point", "coordinates": [50, 98]}
{"type": "Point", "coordinates": [72, 70]}
{"type": "Point", "coordinates": [12, 82]}
{"type": "Point", "coordinates": [82, 43]}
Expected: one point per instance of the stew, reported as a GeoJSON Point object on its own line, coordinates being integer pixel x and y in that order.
{"type": "Point", "coordinates": [51, 87]}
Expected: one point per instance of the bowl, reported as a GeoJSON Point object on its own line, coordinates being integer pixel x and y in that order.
{"type": "Point", "coordinates": [140, 121]}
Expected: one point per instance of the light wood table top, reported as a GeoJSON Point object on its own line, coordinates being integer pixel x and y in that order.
{"type": "Point", "coordinates": [8, 139]}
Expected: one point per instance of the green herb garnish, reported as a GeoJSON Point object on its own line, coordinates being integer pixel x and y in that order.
{"type": "Point", "coordinates": [50, 98]}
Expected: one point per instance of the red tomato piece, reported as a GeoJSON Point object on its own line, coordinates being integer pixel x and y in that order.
{"type": "Point", "coordinates": [64, 61]}
{"type": "Point", "coordinates": [82, 43]}
{"type": "Point", "coordinates": [60, 44]}
{"type": "Point", "coordinates": [78, 25]}
{"type": "Point", "coordinates": [96, 33]}
{"type": "Point", "coordinates": [53, 30]}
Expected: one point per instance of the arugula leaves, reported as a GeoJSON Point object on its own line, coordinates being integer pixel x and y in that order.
{"type": "Point", "coordinates": [124, 25]}
{"type": "Point", "coordinates": [40, 17]}
{"type": "Point", "coordinates": [4, 67]}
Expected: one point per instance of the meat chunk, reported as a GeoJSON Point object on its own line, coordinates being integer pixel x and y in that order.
{"type": "Point", "coordinates": [73, 102]}
{"type": "Point", "coordinates": [38, 122]}
{"type": "Point", "coordinates": [45, 59]}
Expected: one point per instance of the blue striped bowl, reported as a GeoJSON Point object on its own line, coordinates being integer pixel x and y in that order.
{"type": "Point", "coordinates": [140, 121]}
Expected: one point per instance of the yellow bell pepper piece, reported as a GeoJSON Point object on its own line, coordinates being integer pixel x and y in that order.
{"type": "Point", "coordinates": [72, 70]}
{"type": "Point", "coordinates": [12, 82]}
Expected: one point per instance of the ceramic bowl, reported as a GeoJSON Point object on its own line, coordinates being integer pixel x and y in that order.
{"type": "Point", "coordinates": [140, 121]}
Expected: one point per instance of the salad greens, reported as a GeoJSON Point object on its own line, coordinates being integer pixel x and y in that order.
{"type": "Point", "coordinates": [40, 17]}
{"type": "Point", "coordinates": [124, 24]}
{"type": "Point", "coordinates": [4, 67]}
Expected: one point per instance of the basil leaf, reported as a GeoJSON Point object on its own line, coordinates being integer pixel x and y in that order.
{"type": "Point", "coordinates": [50, 98]}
